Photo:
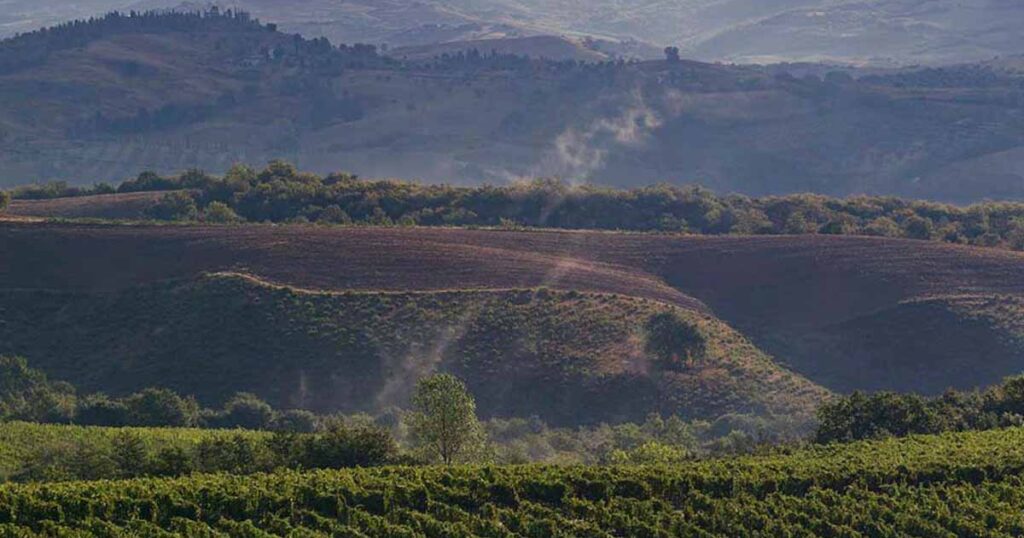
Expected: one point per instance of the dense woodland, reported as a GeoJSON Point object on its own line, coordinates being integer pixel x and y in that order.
{"type": "Point", "coordinates": [280, 193]}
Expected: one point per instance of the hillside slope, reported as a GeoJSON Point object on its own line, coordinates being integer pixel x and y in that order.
{"type": "Point", "coordinates": [795, 297]}
{"type": "Point", "coordinates": [566, 357]}
{"type": "Point", "coordinates": [103, 100]}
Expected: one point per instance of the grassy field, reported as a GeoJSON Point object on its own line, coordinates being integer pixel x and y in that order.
{"type": "Point", "coordinates": [769, 288]}
{"type": "Point", "coordinates": [950, 485]}
{"type": "Point", "coordinates": [568, 357]}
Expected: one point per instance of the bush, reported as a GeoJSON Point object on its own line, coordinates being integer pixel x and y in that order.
{"type": "Point", "coordinates": [5, 200]}
{"type": "Point", "coordinates": [26, 394]}
{"type": "Point", "coordinates": [161, 407]}
{"type": "Point", "coordinates": [338, 447]}
{"type": "Point", "coordinates": [174, 206]}
{"type": "Point", "coordinates": [246, 411]}
{"type": "Point", "coordinates": [295, 421]}
{"type": "Point", "coordinates": [220, 213]}
{"type": "Point", "coordinates": [99, 410]}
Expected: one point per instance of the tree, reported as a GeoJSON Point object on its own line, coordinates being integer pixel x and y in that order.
{"type": "Point", "coordinates": [161, 407]}
{"type": "Point", "coordinates": [673, 341]}
{"type": "Point", "coordinates": [5, 200]}
{"type": "Point", "coordinates": [220, 213]}
{"type": "Point", "coordinates": [672, 54]}
{"type": "Point", "coordinates": [918, 228]}
{"type": "Point", "coordinates": [26, 394]}
{"type": "Point", "coordinates": [295, 421]}
{"type": "Point", "coordinates": [177, 205]}
{"type": "Point", "coordinates": [444, 422]}
{"type": "Point", "coordinates": [99, 410]}
{"type": "Point", "coordinates": [247, 411]}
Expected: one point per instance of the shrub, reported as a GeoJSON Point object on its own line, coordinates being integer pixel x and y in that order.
{"type": "Point", "coordinates": [220, 213]}
{"type": "Point", "coordinates": [295, 421]}
{"type": "Point", "coordinates": [174, 206]}
{"type": "Point", "coordinates": [26, 394]}
{"type": "Point", "coordinates": [338, 447]}
{"type": "Point", "coordinates": [246, 411]}
{"type": "Point", "coordinates": [161, 407]}
{"type": "Point", "coordinates": [99, 410]}
{"type": "Point", "coordinates": [5, 200]}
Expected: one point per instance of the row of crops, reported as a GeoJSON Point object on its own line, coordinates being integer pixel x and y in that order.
{"type": "Point", "coordinates": [953, 485]}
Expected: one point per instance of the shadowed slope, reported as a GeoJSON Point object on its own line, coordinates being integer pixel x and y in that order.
{"type": "Point", "coordinates": [783, 292]}
{"type": "Point", "coordinates": [567, 357]}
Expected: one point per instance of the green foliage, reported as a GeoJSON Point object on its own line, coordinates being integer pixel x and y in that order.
{"type": "Point", "coordinates": [176, 206]}
{"type": "Point", "coordinates": [651, 453]}
{"type": "Point", "coordinates": [5, 200]}
{"type": "Point", "coordinates": [281, 193]}
{"type": "Point", "coordinates": [162, 407]}
{"type": "Point", "coordinates": [444, 423]}
{"type": "Point", "coordinates": [36, 452]}
{"type": "Point", "coordinates": [26, 394]}
{"type": "Point", "coordinates": [245, 411]}
{"type": "Point", "coordinates": [220, 213]}
{"type": "Point", "coordinates": [950, 485]}
{"type": "Point", "coordinates": [862, 416]}
{"type": "Point", "coordinates": [337, 447]}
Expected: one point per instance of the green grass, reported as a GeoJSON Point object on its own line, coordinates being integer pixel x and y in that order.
{"type": "Point", "coordinates": [966, 484]}
{"type": "Point", "coordinates": [567, 357]}
{"type": "Point", "coordinates": [21, 441]}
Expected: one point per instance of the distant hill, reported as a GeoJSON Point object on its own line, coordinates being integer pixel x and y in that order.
{"type": "Point", "coordinates": [102, 100]}
{"type": "Point", "coordinates": [845, 312]}
{"type": "Point", "coordinates": [878, 32]}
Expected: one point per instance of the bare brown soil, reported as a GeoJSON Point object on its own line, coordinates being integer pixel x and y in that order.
{"type": "Point", "coordinates": [774, 289]}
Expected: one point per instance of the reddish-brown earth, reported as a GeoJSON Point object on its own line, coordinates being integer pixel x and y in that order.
{"type": "Point", "coordinates": [778, 290]}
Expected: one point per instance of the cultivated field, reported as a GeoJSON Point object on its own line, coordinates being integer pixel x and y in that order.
{"type": "Point", "coordinates": [790, 295]}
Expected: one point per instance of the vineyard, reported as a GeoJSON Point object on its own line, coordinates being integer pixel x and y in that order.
{"type": "Point", "coordinates": [950, 485]}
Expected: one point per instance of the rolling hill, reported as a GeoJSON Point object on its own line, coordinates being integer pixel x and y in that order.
{"type": "Point", "coordinates": [566, 357]}
{"type": "Point", "coordinates": [844, 312]}
{"type": "Point", "coordinates": [103, 100]}
{"type": "Point", "coordinates": [878, 32]}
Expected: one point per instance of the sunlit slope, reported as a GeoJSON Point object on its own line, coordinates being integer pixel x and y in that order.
{"type": "Point", "coordinates": [568, 357]}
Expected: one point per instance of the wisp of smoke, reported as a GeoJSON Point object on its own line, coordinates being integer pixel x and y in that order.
{"type": "Point", "coordinates": [579, 152]}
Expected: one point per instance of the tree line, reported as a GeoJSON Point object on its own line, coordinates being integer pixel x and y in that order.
{"type": "Point", "coordinates": [281, 193]}
{"type": "Point", "coordinates": [889, 414]}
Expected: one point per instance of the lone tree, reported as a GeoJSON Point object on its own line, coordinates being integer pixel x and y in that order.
{"type": "Point", "coordinates": [443, 421]}
{"type": "Point", "coordinates": [676, 343]}
{"type": "Point", "coordinates": [672, 54]}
